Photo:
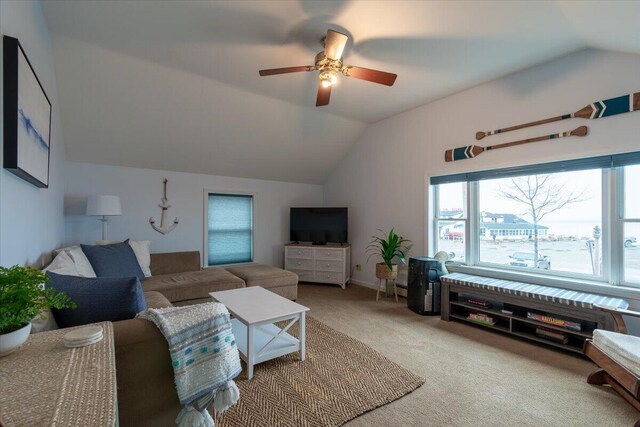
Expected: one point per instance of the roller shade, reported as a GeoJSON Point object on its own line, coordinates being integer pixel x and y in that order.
{"type": "Point", "coordinates": [600, 162]}
{"type": "Point", "coordinates": [230, 229]}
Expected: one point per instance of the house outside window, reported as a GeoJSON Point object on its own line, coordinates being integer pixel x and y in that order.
{"type": "Point", "coordinates": [451, 220]}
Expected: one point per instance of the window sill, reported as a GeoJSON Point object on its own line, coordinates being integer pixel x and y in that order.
{"type": "Point", "coordinates": [235, 264]}
{"type": "Point", "coordinates": [539, 279]}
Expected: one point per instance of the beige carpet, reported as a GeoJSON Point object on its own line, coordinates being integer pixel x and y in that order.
{"type": "Point", "coordinates": [339, 379]}
{"type": "Point", "coordinates": [473, 376]}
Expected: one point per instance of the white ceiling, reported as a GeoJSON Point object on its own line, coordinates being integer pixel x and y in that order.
{"type": "Point", "coordinates": [174, 85]}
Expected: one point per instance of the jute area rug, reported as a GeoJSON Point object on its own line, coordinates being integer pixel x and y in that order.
{"type": "Point", "coordinates": [339, 379]}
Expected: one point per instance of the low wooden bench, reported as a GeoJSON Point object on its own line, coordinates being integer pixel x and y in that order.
{"type": "Point", "coordinates": [527, 296]}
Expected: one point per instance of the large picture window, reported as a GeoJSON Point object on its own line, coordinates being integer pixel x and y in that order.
{"type": "Point", "coordinates": [229, 228]}
{"type": "Point", "coordinates": [576, 219]}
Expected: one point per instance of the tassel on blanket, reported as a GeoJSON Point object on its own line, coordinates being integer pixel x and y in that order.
{"type": "Point", "coordinates": [191, 417]}
{"type": "Point", "coordinates": [226, 396]}
{"type": "Point", "coordinates": [196, 415]}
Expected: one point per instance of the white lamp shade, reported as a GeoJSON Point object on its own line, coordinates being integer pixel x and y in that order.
{"type": "Point", "coordinates": [104, 205]}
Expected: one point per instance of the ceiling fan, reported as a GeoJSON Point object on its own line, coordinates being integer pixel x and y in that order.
{"type": "Point", "coordinates": [329, 63]}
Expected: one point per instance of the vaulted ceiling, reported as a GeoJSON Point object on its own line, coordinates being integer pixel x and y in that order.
{"type": "Point", "coordinates": [174, 85]}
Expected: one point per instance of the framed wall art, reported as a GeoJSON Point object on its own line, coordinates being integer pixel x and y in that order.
{"type": "Point", "coordinates": [27, 118]}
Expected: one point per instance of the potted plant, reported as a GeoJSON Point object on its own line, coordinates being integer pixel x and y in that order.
{"type": "Point", "coordinates": [389, 247]}
{"type": "Point", "coordinates": [23, 297]}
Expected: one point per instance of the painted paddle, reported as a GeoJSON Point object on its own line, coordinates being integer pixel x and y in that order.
{"type": "Point", "coordinates": [471, 151]}
{"type": "Point", "coordinates": [596, 110]}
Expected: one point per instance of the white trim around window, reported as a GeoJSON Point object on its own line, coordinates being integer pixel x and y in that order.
{"type": "Point", "coordinates": [611, 281]}
{"type": "Point", "coordinates": [205, 228]}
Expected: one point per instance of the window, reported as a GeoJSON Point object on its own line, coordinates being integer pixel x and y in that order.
{"type": "Point", "coordinates": [574, 219]}
{"type": "Point", "coordinates": [631, 225]}
{"type": "Point", "coordinates": [229, 238]}
{"type": "Point", "coordinates": [451, 219]}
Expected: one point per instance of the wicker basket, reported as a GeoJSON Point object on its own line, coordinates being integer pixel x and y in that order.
{"type": "Point", "coordinates": [383, 272]}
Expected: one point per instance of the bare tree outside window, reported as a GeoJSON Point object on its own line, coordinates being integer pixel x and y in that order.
{"type": "Point", "coordinates": [539, 196]}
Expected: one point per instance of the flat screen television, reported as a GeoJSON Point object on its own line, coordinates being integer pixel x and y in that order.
{"type": "Point", "coordinates": [319, 225]}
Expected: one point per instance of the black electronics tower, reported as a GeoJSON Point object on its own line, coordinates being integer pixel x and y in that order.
{"type": "Point", "coordinates": [423, 285]}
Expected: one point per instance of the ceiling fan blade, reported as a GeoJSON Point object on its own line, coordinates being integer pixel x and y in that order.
{"type": "Point", "coordinates": [369, 75]}
{"type": "Point", "coordinates": [334, 44]}
{"type": "Point", "coordinates": [323, 95]}
{"type": "Point", "coordinates": [274, 71]}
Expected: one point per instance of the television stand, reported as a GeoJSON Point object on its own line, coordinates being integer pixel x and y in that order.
{"type": "Point", "coordinates": [329, 263]}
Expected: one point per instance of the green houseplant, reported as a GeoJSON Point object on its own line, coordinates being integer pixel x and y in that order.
{"type": "Point", "coordinates": [22, 297]}
{"type": "Point", "coordinates": [388, 247]}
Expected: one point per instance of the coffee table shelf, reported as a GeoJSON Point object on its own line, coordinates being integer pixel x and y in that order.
{"type": "Point", "coordinates": [262, 335]}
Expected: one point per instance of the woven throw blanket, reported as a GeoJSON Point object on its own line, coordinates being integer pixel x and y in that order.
{"type": "Point", "coordinates": [204, 356]}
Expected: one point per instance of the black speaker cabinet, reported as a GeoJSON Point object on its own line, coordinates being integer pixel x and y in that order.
{"type": "Point", "coordinates": [423, 285]}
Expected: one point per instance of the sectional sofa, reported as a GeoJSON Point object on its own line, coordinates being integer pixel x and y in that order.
{"type": "Point", "coordinates": [146, 389]}
{"type": "Point", "coordinates": [178, 276]}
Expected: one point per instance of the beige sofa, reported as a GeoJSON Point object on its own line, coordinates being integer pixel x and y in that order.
{"type": "Point", "coordinates": [180, 279]}
{"type": "Point", "coordinates": [146, 388]}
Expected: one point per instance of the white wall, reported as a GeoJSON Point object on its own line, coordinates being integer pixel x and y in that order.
{"type": "Point", "coordinates": [31, 219]}
{"type": "Point", "coordinates": [140, 191]}
{"type": "Point", "coordinates": [382, 178]}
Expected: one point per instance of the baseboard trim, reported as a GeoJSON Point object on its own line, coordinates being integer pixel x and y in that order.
{"type": "Point", "coordinates": [363, 284]}
{"type": "Point", "coordinates": [401, 293]}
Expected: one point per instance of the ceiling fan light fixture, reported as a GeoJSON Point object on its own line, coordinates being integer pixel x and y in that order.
{"type": "Point", "coordinates": [330, 64]}
{"type": "Point", "coordinates": [328, 77]}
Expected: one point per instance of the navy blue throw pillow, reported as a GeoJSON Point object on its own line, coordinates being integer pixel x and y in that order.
{"type": "Point", "coordinates": [115, 260]}
{"type": "Point", "coordinates": [98, 299]}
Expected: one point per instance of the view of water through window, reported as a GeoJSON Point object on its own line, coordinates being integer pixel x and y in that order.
{"type": "Point", "coordinates": [548, 222]}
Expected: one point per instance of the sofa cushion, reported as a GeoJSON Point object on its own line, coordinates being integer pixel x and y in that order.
{"type": "Point", "coordinates": [624, 349]}
{"type": "Point", "coordinates": [192, 285]}
{"type": "Point", "coordinates": [114, 260]}
{"type": "Point", "coordinates": [277, 280]}
{"type": "Point", "coordinates": [98, 299]}
{"type": "Point", "coordinates": [156, 300]}
{"type": "Point", "coordinates": [264, 275]}
{"type": "Point", "coordinates": [175, 262]}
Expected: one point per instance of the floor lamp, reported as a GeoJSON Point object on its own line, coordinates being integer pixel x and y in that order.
{"type": "Point", "coordinates": [104, 206]}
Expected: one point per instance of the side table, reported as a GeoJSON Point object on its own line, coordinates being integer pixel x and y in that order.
{"type": "Point", "coordinates": [46, 383]}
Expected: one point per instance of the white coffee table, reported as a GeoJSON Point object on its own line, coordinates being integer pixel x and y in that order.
{"type": "Point", "coordinates": [254, 311]}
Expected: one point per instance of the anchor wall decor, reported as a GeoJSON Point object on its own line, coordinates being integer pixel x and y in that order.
{"type": "Point", "coordinates": [164, 228]}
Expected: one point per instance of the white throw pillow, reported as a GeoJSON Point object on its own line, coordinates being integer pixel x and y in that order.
{"type": "Point", "coordinates": [142, 250]}
{"type": "Point", "coordinates": [62, 264]}
{"type": "Point", "coordinates": [80, 260]}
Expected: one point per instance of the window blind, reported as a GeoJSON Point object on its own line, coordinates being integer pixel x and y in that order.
{"type": "Point", "coordinates": [600, 162]}
{"type": "Point", "coordinates": [230, 229]}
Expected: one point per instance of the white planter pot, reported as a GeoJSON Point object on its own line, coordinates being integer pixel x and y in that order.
{"type": "Point", "coordinates": [11, 341]}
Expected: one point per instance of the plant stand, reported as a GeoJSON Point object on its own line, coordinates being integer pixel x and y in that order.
{"type": "Point", "coordinates": [387, 288]}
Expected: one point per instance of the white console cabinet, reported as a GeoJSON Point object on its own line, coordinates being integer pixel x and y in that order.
{"type": "Point", "coordinates": [329, 263]}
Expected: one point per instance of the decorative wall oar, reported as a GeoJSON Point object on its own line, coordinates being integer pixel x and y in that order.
{"type": "Point", "coordinates": [473, 150]}
{"type": "Point", "coordinates": [596, 110]}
